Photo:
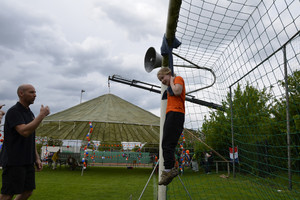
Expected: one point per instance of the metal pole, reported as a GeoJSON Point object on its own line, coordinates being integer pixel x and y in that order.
{"type": "Point", "coordinates": [287, 117]}
{"type": "Point", "coordinates": [232, 134]}
{"type": "Point", "coordinates": [82, 91]}
{"type": "Point", "coordinates": [185, 188]}
{"type": "Point", "coordinates": [173, 14]}
{"type": "Point", "coordinates": [197, 138]}
{"type": "Point", "coordinates": [148, 181]}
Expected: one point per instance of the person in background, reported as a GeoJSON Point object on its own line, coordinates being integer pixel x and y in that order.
{"type": "Point", "coordinates": [207, 164]}
{"type": "Point", "coordinates": [55, 158]}
{"type": "Point", "coordinates": [2, 113]}
{"type": "Point", "coordinates": [195, 163]}
{"type": "Point", "coordinates": [72, 162]}
{"type": "Point", "coordinates": [210, 160]}
{"type": "Point", "coordinates": [174, 121]}
{"type": "Point", "coordinates": [19, 153]}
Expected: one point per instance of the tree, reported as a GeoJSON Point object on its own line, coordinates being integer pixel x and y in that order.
{"type": "Point", "coordinates": [294, 100]}
{"type": "Point", "coordinates": [251, 116]}
{"type": "Point", "coordinates": [252, 125]}
{"type": "Point", "coordinates": [279, 112]}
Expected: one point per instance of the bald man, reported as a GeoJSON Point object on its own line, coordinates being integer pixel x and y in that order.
{"type": "Point", "coordinates": [19, 154]}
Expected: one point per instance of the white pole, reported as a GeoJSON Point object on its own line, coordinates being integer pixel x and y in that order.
{"type": "Point", "coordinates": [173, 15]}
{"type": "Point", "coordinates": [162, 190]}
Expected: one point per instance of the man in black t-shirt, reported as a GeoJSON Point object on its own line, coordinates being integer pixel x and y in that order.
{"type": "Point", "coordinates": [19, 153]}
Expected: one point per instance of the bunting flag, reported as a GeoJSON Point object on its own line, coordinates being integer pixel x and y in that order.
{"type": "Point", "coordinates": [184, 155]}
{"type": "Point", "coordinates": [1, 139]}
{"type": "Point", "coordinates": [86, 153]}
{"type": "Point", "coordinates": [236, 155]}
{"type": "Point", "coordinates": [46, 152]}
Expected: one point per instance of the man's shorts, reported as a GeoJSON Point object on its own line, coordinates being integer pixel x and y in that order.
{"type": "Point", "coordinates": [18, 179]}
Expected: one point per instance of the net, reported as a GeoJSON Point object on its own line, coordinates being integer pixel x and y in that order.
{"type": "Point", "coordinates": [253, 49]}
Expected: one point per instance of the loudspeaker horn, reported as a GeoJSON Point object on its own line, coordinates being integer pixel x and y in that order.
{"type": "Point", "coordinates": [152, 60]}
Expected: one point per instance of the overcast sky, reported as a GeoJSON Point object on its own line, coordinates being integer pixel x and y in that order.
{"type": "Point", "coordinates": [64, 46]}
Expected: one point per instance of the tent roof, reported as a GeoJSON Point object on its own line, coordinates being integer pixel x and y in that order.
{"type": "Point", "coordinates": [113, 119]}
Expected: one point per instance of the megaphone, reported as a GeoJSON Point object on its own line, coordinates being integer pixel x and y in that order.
{"type": "Point", "coordinates": [152, 60]}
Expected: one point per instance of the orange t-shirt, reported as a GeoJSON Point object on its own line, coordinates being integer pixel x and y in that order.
{"type": "Point", "coordinates": [176, 103]}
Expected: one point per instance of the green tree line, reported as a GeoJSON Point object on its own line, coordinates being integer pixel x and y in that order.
{"type": "Point", "coordinates": [259, 127]}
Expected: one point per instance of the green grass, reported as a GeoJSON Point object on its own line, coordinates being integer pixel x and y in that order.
{"type": "Point", "coordinates": [96, 183]}
{"type": "Point", "coordinates": [245, 187]}
{"type": "Point", "coordinates": [114, 183]}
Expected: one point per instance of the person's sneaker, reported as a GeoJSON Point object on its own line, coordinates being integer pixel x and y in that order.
{"type": "Point", "coordinates": [174, 172]}
{"type": "Point", "coordinates": [167, 177]}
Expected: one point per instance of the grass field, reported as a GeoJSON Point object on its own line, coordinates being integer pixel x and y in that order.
{"type": "Point", "coordinates": [114, 183]}
{"type": "Point", "coordinates": [243, 187]}
{"type": "Point", "coordinates": [96, 183]}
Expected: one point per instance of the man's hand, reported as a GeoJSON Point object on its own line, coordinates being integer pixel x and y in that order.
{"type": "Point", "coordinates": [44, 111]}
{"type": "Point", "coordinates": [39, 165]}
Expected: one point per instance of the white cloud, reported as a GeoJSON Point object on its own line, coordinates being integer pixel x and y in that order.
{"type": "Point", "coordinates": [62, 46]}
{"type": "Point", "coordinates": [138, 19]}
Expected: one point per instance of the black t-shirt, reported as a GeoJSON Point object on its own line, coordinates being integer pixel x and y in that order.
{"type": "Point", "coordinates": [17, 150]}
